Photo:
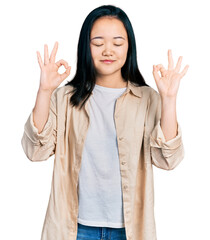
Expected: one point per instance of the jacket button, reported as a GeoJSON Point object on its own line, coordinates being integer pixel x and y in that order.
{"type": "Point", "coordinates": [120, 138]}
{"type": "Point", "coordinates": [125, 187]}
{"type": "Point", "coordinates": [123, 163]}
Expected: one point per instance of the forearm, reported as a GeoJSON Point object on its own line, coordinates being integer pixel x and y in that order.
{"type": "Point", "coordinates": [168, 121]}
{"type": "Point", "coordinates": [41, 109]}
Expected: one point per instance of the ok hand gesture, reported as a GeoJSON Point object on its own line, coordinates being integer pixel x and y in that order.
{"type": "Point", "coordinates": [169, 81]}
{"type": "Point", "coordinates": [50, 79]}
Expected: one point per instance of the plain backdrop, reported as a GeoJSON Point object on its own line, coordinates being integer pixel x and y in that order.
{"type": "Point", "coordinates": [182, 196]}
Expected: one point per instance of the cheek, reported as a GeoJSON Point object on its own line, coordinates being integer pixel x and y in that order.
{"type": "Point", "coordinates": [94, 52]}
{"type": "Point", "coordinates": [123, 53]}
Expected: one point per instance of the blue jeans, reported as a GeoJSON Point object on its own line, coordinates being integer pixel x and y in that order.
{"type": "Point", "coordinates": [100, 233]}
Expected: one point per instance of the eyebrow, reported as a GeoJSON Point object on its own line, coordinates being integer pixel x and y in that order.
{"type": "Point", "coordinates": [99, 37]}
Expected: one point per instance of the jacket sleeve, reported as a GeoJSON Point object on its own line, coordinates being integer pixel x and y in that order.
{"type": "Point", "coordinates": [165, 154]}
{"type": "Point", "coordinates": [41, 146]}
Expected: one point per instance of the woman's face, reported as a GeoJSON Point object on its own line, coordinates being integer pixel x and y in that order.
{"type": "Point", "coordinates": [108, 41]}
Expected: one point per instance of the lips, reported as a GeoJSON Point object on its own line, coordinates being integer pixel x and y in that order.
{"type": "Point", "coordinates": [107, 61]}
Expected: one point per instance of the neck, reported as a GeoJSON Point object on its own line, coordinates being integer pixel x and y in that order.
{"type": "Point", "coordinates": [111, 81]}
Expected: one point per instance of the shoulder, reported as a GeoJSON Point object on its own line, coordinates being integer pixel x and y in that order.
{"type": "Point", "coordinates": [149, 93]}
{"type": "Point", "coordinates": [62, 91]}
{"type": "Point", "coordinates": [59, 95]}
{"type": "Point", "coordinates": [152, 99]}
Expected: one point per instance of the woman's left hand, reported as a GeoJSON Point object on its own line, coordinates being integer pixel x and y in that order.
{"type": "Point", "coordinates": [169, 81]}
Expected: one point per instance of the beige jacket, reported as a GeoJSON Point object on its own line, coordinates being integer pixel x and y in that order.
{"type": "Point", "coordinates": [141, 145]}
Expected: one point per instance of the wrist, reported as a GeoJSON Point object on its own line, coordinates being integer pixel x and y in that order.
{"type": "Point", "coordinates": [168, 99]}
{"type": "Point", "coordinates": [44, 91]}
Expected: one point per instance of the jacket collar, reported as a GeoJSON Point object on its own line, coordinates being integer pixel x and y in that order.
{"type": "Point", "coordinates": [135, 90]}
{"type": "Point", "coordinates": [130, 87]}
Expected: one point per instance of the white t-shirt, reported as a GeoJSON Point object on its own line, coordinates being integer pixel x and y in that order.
{"type": "Point", "coordinates": [100, 191]}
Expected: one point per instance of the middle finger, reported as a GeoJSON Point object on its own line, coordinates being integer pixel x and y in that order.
{"type": "Point", "coordinates": [53, 53]}
{"type": "Point", "coordinates": [46, 55]}
{"type": "Point", "coordinates": [170, 60]}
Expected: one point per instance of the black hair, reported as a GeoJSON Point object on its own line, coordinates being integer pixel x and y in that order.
{"type": "Point", "coordinates": [85, 77]}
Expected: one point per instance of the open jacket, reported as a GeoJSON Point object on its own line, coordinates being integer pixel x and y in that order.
{"type": "Point", "coordinates": [141, 144]}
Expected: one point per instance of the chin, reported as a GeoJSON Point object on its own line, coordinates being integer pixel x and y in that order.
{"type": "Point", "coordinates": [107, 70]}
{"type": "Point", "coordinates": [104, 73]}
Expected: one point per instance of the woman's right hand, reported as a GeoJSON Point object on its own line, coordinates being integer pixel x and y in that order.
{"type": "Point", "coordinates": [50, 79]}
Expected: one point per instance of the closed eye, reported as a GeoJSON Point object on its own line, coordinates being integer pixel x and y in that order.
{"type": "Point", "coordinates": [102, 44]}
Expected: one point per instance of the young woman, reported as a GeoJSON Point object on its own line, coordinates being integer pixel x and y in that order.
{"type": "Point", "coordinates": [107, 128]}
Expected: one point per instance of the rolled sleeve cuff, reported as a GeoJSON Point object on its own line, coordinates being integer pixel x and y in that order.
{"type": "Point", "coordinates": [157, 138]}
{"type": "Point", "coordinates": [32, 132]}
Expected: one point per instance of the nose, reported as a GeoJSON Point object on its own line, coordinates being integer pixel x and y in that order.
{"type": "Point", "coordinates": [107, 51]}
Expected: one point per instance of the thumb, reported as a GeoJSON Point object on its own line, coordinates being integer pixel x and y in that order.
{"type": "Point", "coordinates": [155, 73]}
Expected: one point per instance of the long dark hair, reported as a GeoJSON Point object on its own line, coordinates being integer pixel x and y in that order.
{"type": "Point", "coordinates": [85, 77]}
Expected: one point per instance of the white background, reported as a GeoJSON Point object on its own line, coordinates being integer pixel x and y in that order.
{"type": "Point", "coordinates": [182, 196]}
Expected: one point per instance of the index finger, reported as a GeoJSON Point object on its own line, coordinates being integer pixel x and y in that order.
{"type": "Point", "coordinates": [53, 53]}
